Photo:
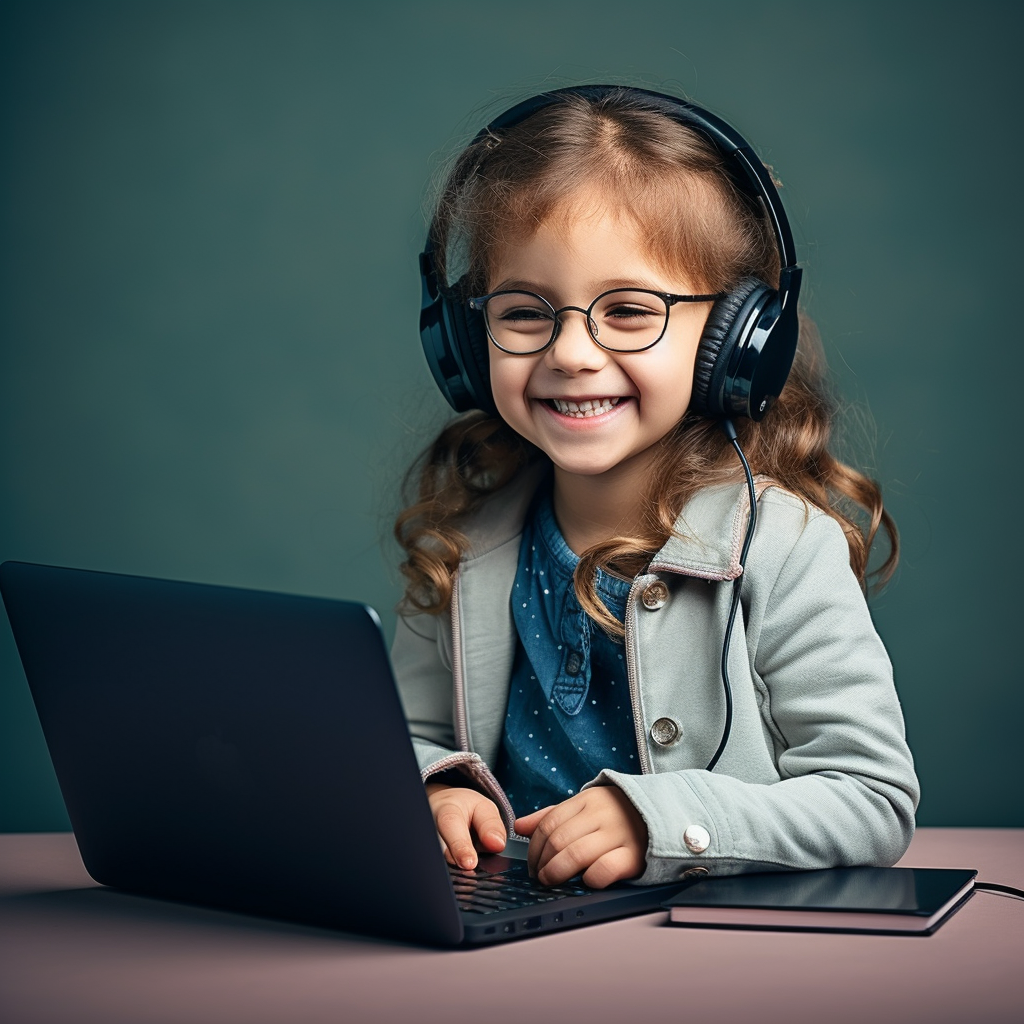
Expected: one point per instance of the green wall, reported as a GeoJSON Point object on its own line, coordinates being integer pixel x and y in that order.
{"type": "Point", "coordinates": [209, 363]}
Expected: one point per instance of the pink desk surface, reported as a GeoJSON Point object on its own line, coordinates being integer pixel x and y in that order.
{"type": "Point", "coordinates": [72, 952]}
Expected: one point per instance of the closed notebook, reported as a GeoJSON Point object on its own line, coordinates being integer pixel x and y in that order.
{"type": "Point", "coordinates": [897, 900]}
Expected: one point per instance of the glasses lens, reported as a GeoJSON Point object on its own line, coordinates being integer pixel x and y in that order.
{"type": "Point", "coordinates": [519, 321]}
{"type": "Point", "coordinates": [627, 320]}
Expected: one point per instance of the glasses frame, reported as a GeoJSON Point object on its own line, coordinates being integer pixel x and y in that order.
{"type": "Point", "coordinates": [670, 299]}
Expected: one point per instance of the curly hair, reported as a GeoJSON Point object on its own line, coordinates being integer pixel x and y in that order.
{"type": "Point", "coordinates": [671, 182]}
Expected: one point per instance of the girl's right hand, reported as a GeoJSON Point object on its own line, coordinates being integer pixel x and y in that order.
{"type": "Point", "coordinates": [459, 814]}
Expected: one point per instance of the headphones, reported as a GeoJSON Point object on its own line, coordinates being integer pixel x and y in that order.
{"type": "Point", "coordinates": [749, 340]}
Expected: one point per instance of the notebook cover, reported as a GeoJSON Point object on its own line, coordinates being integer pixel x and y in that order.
{"type": "Point", "coordinates": [863, 899]}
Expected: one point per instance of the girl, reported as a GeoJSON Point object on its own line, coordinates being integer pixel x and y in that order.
{"type": "Point", "coordinates": [577, 664]}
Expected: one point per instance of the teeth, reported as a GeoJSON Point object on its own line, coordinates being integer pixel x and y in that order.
{"type": "Point", "coordinates": [581, 410]}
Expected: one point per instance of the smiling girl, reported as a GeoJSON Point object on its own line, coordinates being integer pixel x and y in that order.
{"type": "Point", "coordinates": [599, 649]}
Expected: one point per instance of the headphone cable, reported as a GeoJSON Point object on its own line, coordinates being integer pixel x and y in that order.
{"type": "Point", "coordinates": [730, 432]}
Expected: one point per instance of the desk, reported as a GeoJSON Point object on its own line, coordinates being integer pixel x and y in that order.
{"type": "Point", "coordinates": [71, 951]}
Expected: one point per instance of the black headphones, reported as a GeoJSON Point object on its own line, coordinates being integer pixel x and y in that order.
{"type": "Point", "coordinates": [749, 341]}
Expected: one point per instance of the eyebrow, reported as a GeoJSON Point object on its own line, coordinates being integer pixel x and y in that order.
{"type": "Point", "coordinates": [517, 284]}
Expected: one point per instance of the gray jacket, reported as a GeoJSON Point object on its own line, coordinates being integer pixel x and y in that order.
{"type": "Point", "coordinates": [816, 772]}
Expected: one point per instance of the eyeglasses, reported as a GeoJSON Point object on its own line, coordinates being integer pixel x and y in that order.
{"type": "Point", "coordinates": [620, 320]}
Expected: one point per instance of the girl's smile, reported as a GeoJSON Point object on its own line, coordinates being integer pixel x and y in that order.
{"type": "Point", "coordinates": [593, 411]}
{"type": "Point", "coordinates": [581, 408]}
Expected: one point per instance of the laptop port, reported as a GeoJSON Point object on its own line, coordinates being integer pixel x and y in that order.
{"type": "Point", "coordinates": [531, 924]}
{"type": "Point", "coordinates": [509, 928]}
{"type": "Point", "coordinates": [557, 918]}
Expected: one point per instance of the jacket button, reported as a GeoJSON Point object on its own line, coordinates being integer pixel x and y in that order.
{"type": "Point", "coordinates": [695, 873]}
{"type": "Point", "coordinates": [665, 732]}
{"type": "Point", "coordinates": [654, 596]}
{"type": "Point", "coordinates": [697, 838]}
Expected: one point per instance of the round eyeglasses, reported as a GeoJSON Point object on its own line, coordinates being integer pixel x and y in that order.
{"type": "Point", "coordinates": [620, 320]}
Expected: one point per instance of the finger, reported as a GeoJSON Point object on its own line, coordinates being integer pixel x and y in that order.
{"type": "Point", "coordinates": [487, 822]}
{"type": "Point", "coordinates": [452, 827]}
{"type": "Point", "coordinates": [565, 836]}
{"type": "Point", "coordinates": [525, 825]}
{"type": "Point", "coordinates": [538, 838]}
{"type": "Point", "coordinates": [573, 858]}
{"type": "Point", "coordinates": [556, 830]}
{"type": "Point", "coordinates": [614, 866]}
{"type": "Point", "coordinates": [447, 854]}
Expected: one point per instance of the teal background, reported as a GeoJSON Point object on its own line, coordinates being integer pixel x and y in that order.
{"type": "Point", "coordinates": [210, 366]}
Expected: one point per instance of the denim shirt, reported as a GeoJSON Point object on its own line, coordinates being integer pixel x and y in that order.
{"type": "Point", "coordinates": [569, 713]}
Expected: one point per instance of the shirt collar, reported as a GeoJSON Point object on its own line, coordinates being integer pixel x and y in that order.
{"type": "Point", "coordinates": [707, 543]}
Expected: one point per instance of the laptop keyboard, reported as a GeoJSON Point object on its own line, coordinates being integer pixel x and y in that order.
{"type": "Point", "coordinates": [480, 891]}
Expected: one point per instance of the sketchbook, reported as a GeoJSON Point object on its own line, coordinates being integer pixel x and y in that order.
{"type": "Point", "coordinates": [863, 899]}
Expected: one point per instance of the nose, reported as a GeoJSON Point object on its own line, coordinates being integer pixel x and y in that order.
{"type": "Point", "coordinates": [574, 349]}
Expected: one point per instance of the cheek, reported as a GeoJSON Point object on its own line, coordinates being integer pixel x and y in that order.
{"type": "Point", "coordinates": [509, 380]}
{"type": "Point", "coordinates": [665, 383]}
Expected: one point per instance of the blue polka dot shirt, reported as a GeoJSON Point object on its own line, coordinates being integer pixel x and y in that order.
{"type": "Point", "coordinates": [569, 713]}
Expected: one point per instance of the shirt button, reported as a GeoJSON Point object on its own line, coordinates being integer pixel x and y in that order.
{"type": "Point", "coordinates": [654, 596]}
{"type": "Point", "coordinates": [573, 664]}
{"type": "Point", "coordinates": [697, 838]}
{"type": "Point", "coordinates": [665, 732]}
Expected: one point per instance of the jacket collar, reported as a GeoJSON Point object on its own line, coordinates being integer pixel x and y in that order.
{"type": "Point", "coordinates": [707, 542]}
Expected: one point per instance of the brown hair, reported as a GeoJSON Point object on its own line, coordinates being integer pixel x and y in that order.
{"type": "Point", "coordinates": [671, 182]}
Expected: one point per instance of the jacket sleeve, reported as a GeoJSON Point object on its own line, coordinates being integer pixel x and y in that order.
{"type": "Point", "coordinates": [424, 681]}
{"type": "Point", "coordinates": [847, 790]}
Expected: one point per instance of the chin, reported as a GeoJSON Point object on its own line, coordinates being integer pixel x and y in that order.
{"type": "Point", "coordinates": [586, 467]}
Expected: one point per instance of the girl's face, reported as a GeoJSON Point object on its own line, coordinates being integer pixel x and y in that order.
{"type": "Point", "coordinates": [571, 262]}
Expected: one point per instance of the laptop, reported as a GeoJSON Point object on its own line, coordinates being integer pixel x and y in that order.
{"type": "Point", "coordinates": [247, 750]}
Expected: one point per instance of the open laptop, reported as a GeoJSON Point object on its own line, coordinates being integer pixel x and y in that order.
{"type": "Point", "coordinates": [248, 750]}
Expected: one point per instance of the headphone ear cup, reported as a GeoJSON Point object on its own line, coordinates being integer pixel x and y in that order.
{"type": "Point", "coordinates": [718, 342]}
{"type": "Point", "coordinates": [469, 338]}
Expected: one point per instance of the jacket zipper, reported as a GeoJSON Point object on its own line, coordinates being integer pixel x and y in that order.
{"type": "Point", "coordinates": [478, 768]}
{"type": "Point", "coordinates": [458, 684]}
{"type": "Point", "coordinates": [634, 686]}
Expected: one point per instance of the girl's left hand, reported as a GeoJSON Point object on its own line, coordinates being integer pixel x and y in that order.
{"type": "Point", "coordinates": [597, 832]}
